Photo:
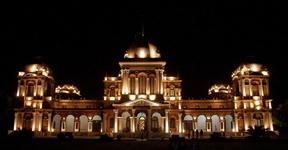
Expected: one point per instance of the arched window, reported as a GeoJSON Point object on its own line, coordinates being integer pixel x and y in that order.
{"type": "Point", "coordinates": [96, 126]}
{"type": "Point", "coordinates": [172, 90]}
{"type": "Point", "coordinates": [152, 84]}
{"type": "Point", "coordinates": [247, 88]}
{"type": "Point", "coordinates": [142, 84]}
{"type": "Point", "coordinates": [155, 124]}
{"type": "Point", "coordinates": [112, 91]}
{"type": "Point", "coordinates": [132, 84]}
{"type": "Point", "coordinates": [188, 123]}
{"type": "Point", "coordinates": [265, 87]}
{"type": "Point", "coordinates": [30, 89]}
{"type": "Point", "coordinates": [255, 88]}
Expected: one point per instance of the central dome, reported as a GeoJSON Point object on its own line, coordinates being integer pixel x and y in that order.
{"type": "Point", "coordinates": [142, 48]}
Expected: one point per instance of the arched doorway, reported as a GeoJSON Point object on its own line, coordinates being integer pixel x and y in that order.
{"type": "Point", "coordinates": [126, 121]}
{"type": "Point", "coordinates": [141, 121]}
{"type": "Point", "coordinates": [56, 124]}
{"type": "Point", "coordinates": [70, 123]}
{"type": "Point", "coordinates": [201, 123]}
{"type": "Point", "coordinates": [229, 123]}
{"type": "Point", "coordinates": [188, 123]}
{"type": "Point", "coordinates": [215, 123]}
{"type": "Point", "coordinates": [155, 123]}
{"type": "Point", "coordinates": [96, 123]}
{"type": "Point", "coordinates": [27, 123]}
{"type": "Point", "coordinates": [83, 123]}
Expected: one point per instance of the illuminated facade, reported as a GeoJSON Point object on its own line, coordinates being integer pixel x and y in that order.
{"type": "Point", "coordinates": [143, 99]}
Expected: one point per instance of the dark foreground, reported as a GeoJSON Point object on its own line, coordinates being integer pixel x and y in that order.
{"type": "Point", "coordinates": [86, 144]}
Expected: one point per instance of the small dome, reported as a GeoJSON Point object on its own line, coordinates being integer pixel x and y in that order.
{"type": "Point", "coordinates": [38, 69]}
{"type": "Point", "coordinates": [142, 48]}
{"type": "Point", "coordinates": [251, 69]}
{"type": "Point", "coordinates": [67, 88]}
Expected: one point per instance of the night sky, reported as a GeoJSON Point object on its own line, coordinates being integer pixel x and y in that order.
{"type": "Point", "coordinates": [201, 45]}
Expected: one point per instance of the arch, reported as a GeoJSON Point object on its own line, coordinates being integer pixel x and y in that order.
{"type": "Point", "coordinates": [188, 126]}
{"type": "Point", "coordinates": [126, 121]}
{"type": "Point", "coordinates": [156, 117]}
{"type": "Point", "coordinates": [132, 78]}
{"type": "Point", "coordinates": [30, 88]}
{"type": "Point", "coordinates": [258, 119]}
{"type": "Point", "coordinates": [96, 123]}
{"type": "Point", "coordinates": [56, 123]}
{"type": "Point", "coordinates": [142, 82]}
{"type": "Point", "coordinates": [201, 122]}
{"type": "Point", "coordinates": [152, 83]}
{"type": "Point", "coordinates": [83, 123]}
{"type": "Point", "coordinates": [141, 117]}
{"type": "Point", "coordinates": [215, 123]}
{"type": "Point", "coordinates": [141, 114]}
{"type": "Point", "coordinates": [228, 123]}
{"type": "Point", "coordinates": [255, 87]}
{"type": "Point", "coordinates": [70, 123]}
{"type": "Point", "coordinates": [28, 121]}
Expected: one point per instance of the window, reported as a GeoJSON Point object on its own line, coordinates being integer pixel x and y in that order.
{"type": "Point", "coordinates": [155, 124]}
{"type": "Point", "coordinates": [152, 84]}
{"type": "Point", "coordinates": [30, 90]}
{"type": "Point", "coordinates": [132, 85]}
{"type": "Point", "coordinates": [142, 85]}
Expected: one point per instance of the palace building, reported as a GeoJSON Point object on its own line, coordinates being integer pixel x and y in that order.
{"type": "Point", "coordinates": [141, 98]}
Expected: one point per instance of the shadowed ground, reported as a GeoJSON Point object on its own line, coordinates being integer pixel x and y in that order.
{"type": "Point", "coordinates": [85, 144]}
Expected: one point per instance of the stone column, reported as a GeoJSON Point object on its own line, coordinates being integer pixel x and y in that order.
{"type": "Point", "coordinates": [251, 120]}
{"type": "Point", "coordinates": [236, 123]}
{"type": "Point", "coordinates": [90, 127]}
{"type": "Point", "coordinates": [18, 90]}
{"type": "Point", "coordinates": [180, 122]}
{"type": "Point", "coordinates": [104, 122]}
{"type": "Point", "coordinates": [22, 120]}
{"type": "Point", "coordinates": [49, 122]}
{"type": "Point", "coordinates": [157, 81]}
{"type": "Point", "coordinates": [166, 122]}
{"type": "Point", "coordinates": [261, 88]}
{"type": "Point", "coordinates": [160, 81]}
{"type": "Point", "coordinates": [133, 120]}
{"type": "Point", "coordinates": [149, 120]}
{"type": "Point", "coordinates": [136, 86]}
{"type": "Point", "coordinates": [147, 86]}
{"type": "Point", "coordinates": [270, 121]}
{"type": "Point", "coordinates": [245, 121]}
{"type": "Point", "coordinates": [250, 88]}
{"type": "Point", "coordinates": [115, 121]}
{"type": "Point", "coordinates": [15, 121]}
{"type": "Point", "coordinates": [34, 121]}
{"type": "Point", "coordinates": [243, 88]}
{"type": "Point", "coordinates": [40, 121]}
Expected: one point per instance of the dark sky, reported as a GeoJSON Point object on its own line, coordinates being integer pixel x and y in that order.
{"type": "Point", "coordinates": [201, 45]}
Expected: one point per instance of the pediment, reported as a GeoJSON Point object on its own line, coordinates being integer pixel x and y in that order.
{"type": "Point", "coordinates": [139, 102]}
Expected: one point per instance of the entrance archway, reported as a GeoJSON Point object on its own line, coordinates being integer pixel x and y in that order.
{"type": "Point", "coordinates": [141, 121]}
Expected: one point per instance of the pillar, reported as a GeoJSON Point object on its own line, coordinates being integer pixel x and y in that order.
{"type": "Point", "coordinates": [250, 88]}
{"type": "Point", "coordinates": [49, 122]}
{"type": "Point", "coordinates": [261, 88]}
{"type": "Point", "coordinates": [40, 121]}
{"type": "Point", "coordinates": [243, 88]}
{"type": "Point", "coordinates": [160, 81]}
{"type": "Point", "coordinates": [166, 122]}
{"type": "Point", "coordinates": [90, 125]}
{"type": "Point", "coordinates": [147, 86]}
{"type": "Point", "coordinates": [251, 120]}
{"type": "Point", "coordinates": [133, 120]}
{"type": "Point", "coordinates": [115, 121]}
{"type": "Point", "coordinates": [180, 122]}
{"type": "Point", "coordinates": [34, 121]}
{"type": "Point", "coordinates": [15, 121]}
{"type": "Point", "coordinates": [270, 121]}
{"type": "Point", "coordinates": [236, 123]}
{"type": "Point", "coordinates": [136, 86]}
{"type": "Point", "coordinates": [162, 124]}
{"type": "Point", "coordinates": [104, 122]}
{"type": "Point", "coordinates": [22, 120]}
{"type": "Point", "coordinates": [245, 121]}
{"type": "Point", "coordinates": [157, 81]}
{"type": "Point", "coordinates": [149, 120]}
